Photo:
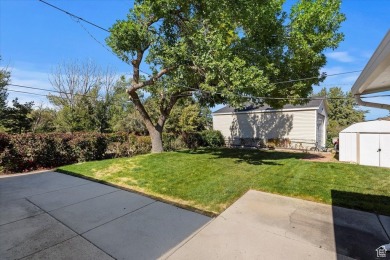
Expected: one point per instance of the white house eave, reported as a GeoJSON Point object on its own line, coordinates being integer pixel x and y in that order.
{"type": "Point", "coordinates": [266, 111]}
{"type": "Point", "coordinates": [376, 75]}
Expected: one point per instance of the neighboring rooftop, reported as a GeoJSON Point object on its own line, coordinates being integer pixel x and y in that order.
{"type": "Point", "coordinates": [314, 103]}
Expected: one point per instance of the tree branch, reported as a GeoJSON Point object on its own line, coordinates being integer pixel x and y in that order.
{"type": "Point", "coordinates": [151, 81]}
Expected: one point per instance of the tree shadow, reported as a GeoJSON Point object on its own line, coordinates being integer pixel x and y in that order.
{"type": "Point", "coordinates": [358, 234]}
{"type": "Point", "coordinates": [250, 156]}
{"type": "Point", "coordinates": [261, 126]}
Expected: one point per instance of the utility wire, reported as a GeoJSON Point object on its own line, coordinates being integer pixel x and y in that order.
{"type": "Point", "coordinates": [193, 90]}
{"type": "Point", "coordinates": [25, 92]}
{"type": "Point", "coordinates": [49, 90]}
{"type": "Point", "coordinates": [330, 75]}
{"type": "Point", "coordinates": [78, 19]}
{"type": "Point", "coordinates": [75, 16]}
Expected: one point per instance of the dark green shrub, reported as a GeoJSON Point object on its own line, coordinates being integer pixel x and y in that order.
{"type": "Point", "coordinates": [89, 146]}
{"type": "Point", "coordinates": [212, 138]}
{"type": "Point", "coordinates": [139, 144]}
{"type": "Point", "coordinates": [173, 142]}
{"type": "Point", "coordinates": [27, 152]}
{"type": "Point", "coordinates": [4, 141]}
{"type": "Point", "coordinates": [192, 140]}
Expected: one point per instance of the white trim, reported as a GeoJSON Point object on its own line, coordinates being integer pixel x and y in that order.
{"type": "Point", "coordinates": [378, 63]}
{"type": "Point", "coordinates": [265, 111]}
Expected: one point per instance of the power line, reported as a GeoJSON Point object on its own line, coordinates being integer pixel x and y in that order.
{"type": "Point", "coordinates": [97, 26]}
{"type": "Point", "coordinates": [49, 90]}
{"type": "Point", "coordinates": [93, 37]}
{"type": "Point", "coordinates": [330, 75]}
{"type": "Point", "coordinates": [193, 90]}
{"type": "Point", "coordinates": [73, 15]}
{"type": "Point", "coordinates": [25, 92]}
{"type": "Point", "coordinates": [55, 91]}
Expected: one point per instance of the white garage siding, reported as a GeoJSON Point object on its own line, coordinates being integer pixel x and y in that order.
{"type": "Point", "coordinates": [299, 126]}
{"type": "Point", "coordinates": [366, 143]}
{"type": "Point", "coordinates": [347, 149]}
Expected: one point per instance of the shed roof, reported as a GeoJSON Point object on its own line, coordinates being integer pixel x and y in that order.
{"type": "Point", "coordinates": [314, 104]}
{"type": "Point", "coordinates": [377, 126]}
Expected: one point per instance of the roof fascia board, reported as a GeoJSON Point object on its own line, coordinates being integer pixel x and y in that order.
{"type": "Point", "coordinates": [267, 111]}
{"type": "Point", "coordinates": [377, 63]}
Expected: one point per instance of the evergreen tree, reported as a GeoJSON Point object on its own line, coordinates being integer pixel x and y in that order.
{"type": "Point", "coordinates": [17, 118]}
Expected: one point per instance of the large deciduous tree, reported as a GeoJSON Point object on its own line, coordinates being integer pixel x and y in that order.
{"type": "Point", "coordinates": [222, 51]}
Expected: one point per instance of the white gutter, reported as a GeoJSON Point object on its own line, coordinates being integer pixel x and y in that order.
{"type": "Point", "coordinates": [375, 77]}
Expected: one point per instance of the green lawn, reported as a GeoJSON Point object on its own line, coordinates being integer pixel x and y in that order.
{"type": "Point", "coordinates": [211, 180]}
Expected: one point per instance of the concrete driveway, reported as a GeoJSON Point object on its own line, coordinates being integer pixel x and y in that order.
{"type": "Point", "coordinates": [55, 216]}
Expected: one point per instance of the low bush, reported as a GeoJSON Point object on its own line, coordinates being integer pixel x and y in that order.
{"type": "Point", "coordinates": [139, 144]}
{"type": "Point", "coordinates": [212, 138]}
{"type": "Point", "coordinates": [26, 152]}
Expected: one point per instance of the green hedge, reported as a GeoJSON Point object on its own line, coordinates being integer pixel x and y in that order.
{"type": "Point", "coordinates": [26, 152]}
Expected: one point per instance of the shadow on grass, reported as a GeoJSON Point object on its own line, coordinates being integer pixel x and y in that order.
{"type": "Point", "coordinates": [358, 234]}
{"type": "Point", "coordinates": [250, 156]}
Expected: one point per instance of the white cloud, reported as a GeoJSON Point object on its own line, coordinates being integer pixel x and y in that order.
{"type": "Point", "coordinates": [341, 56]}
{"type": "Point", "coordinates": [32, 79]}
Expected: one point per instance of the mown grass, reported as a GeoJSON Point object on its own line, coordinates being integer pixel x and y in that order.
{"type": "Point", "coordinates": [213, 179]}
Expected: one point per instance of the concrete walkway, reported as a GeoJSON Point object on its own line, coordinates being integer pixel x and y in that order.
{"type": "Point", "coordinates": [55, 216]}
{"type": "Point", "coordinates": [266, 226]}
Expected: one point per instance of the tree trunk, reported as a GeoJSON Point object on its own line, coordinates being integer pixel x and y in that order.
{"type": "Point", "coordinates": [156, 137]}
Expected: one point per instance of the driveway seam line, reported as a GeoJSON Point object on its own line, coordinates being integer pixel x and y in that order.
{"type": "Point", "coordinates": [49, 246]}
{"type": "Point", "coordinates": [83, 200]}
{"type": "Point", "coordinates": [189, 238]}
{"type": "Point", "coordinates": [128, 213]}
{"type": "Point", "coordinates": [40, 213]}
{"type": "Point", "coordinates": [384, 229]}
{"type": "Point", "coordinates": [48, 192]}
{"type": "Point", "coordinates": [77, 234]}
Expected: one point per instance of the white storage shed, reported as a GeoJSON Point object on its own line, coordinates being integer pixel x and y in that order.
{"type": "Point", "coordinates": [366, 143]}
{"type": "Point", "coordinates": [303, 125]}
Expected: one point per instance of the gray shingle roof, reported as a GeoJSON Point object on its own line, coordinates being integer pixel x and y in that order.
{"type": "Point", "coordinates": [315, 103]}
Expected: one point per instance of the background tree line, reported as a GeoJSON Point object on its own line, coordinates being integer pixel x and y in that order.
{"type": "Point", "coordinates": [86, 98]}
{"type": "Point", "coordinates": [96, 101]}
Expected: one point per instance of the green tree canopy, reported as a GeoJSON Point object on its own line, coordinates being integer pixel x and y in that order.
{"type": "Point", "coordinates": [343, 111]}
{"type": "Point", "coordinates": [223, 51]}
{"type": "Point", "coordinates": [17, 118]}
{"type": "Point", "coordinates": [4, 80]}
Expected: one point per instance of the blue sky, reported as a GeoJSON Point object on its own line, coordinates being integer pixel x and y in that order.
{"type": "Point", "coordinates": [34, 38]}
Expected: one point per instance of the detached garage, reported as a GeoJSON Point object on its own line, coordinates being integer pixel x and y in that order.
{"type": "Point", "coordinates": [366, 143]}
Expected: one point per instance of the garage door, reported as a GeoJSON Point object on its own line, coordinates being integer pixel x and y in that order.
{"type": "Point", "coordinates": [375, 149]}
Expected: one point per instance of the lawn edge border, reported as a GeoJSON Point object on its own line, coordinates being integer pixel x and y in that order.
{"type": "Point", "coordinates": [176, 204]}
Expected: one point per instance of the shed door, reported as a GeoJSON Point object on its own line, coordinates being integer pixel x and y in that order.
{"type": "Point", "coordinates": [385, 150]}
{"type": "Point", "coordinates": [369, 146]}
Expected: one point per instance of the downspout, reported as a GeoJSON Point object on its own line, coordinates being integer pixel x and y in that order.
{"type": "Point", "coordinates": [371, 104]}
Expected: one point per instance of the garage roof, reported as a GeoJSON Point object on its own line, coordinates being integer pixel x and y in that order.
{"type": "Point", "coordinates": [378, 126]}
